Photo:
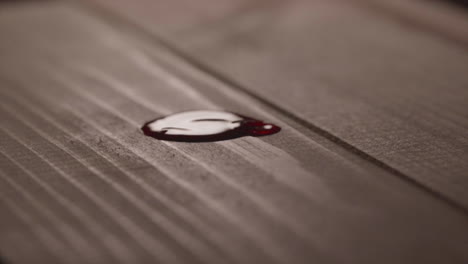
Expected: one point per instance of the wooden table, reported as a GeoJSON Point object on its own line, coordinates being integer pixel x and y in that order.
{"type": "Point", "coordinates": [371, 165]}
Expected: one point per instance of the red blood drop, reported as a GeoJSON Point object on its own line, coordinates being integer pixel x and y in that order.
{"type": "Point", "coordinates": [206, 126]}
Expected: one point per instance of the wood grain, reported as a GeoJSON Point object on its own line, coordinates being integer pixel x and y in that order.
{"type": "Point", "coordinates": [80, 183]}
{"type": "Point", "coordinates": [398, 95]}
{"type": "Point", "coordinates": [394, 92]}
{"type": "Point", "coordinates": [440, 17]}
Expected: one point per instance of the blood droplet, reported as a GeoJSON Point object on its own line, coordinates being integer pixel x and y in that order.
{"type": "Point", "coordinates": [206, 126]}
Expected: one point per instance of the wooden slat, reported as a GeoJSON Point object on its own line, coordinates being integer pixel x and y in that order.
{"type": "Point", "coordinates": [441, 17]}
{"type": "Point", "coordinates": [75, 90]}
{"type": "Point", "coordinates": [397, 93]}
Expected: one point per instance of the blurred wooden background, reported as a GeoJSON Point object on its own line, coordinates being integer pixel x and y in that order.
{"type": "Point", "coordinates": [371, 165]}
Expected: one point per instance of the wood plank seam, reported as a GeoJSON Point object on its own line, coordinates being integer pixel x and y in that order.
{"type": "Point", "coordinates": [110, 17]}
{"type": "Point", "coordinates": [251, 233]}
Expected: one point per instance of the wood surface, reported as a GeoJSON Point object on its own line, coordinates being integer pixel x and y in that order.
{"type": "Point", "coordinates": [399, 95]}
{"type": "Point", "coordinates": [393, 89]}
{"type": "Point", "coordinates": [80, 183]}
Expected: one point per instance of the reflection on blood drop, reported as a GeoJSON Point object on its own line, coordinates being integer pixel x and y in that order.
{"type": "Point", "coordinates": [206, 126]}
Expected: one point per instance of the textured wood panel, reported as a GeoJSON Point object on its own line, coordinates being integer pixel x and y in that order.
{"type": "Point", "coordinates": [439, 17]}
{"type": "Point", "coordinates": [179, 17]}
{"type": "Point", "coordinates": [392, 88]}
{"type": "Point", "coordinates": [398, 94]}
{"type": "Point", "coordinates": [79, 183]}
